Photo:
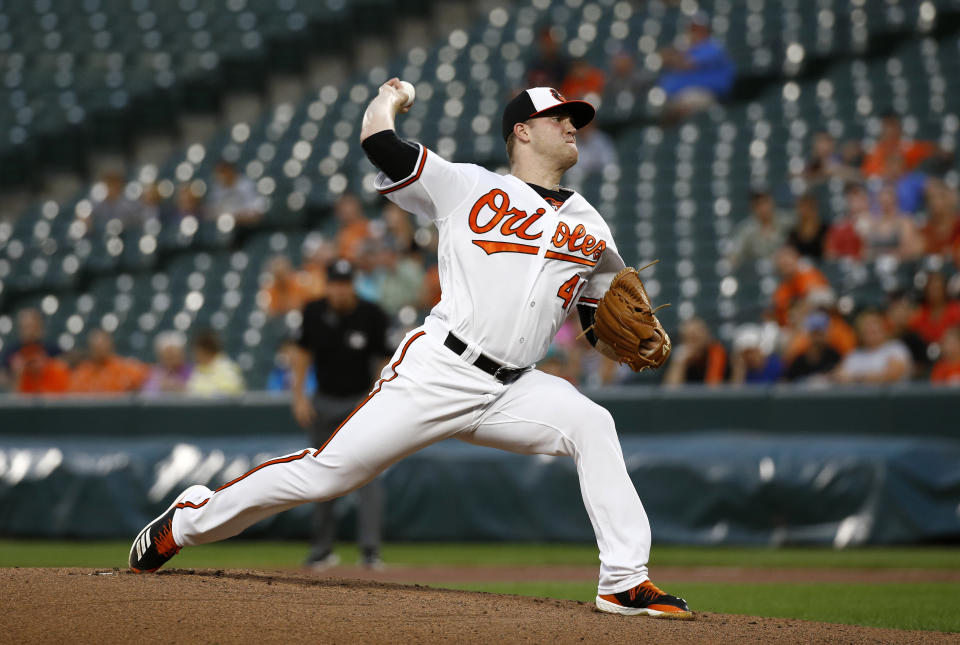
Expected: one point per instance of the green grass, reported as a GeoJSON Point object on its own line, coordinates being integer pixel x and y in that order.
{"type": "Point", "coordinates": [253, 554]}
{"type": "Point", "coordinates": [933, 605]}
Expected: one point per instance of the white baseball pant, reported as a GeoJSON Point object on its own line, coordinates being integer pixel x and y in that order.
{"type": "Point", "coordinates": [426, 394]}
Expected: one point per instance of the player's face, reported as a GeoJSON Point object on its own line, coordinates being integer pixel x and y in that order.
{"type": "Point", "coordinates": [554, 137]}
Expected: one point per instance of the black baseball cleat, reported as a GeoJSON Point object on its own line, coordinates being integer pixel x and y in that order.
{"type": "Point", "coordinates": [645, 600]}
{"type": "Point", "coordinates": [154, 545]}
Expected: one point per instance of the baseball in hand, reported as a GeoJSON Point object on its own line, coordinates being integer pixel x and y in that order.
{"type": "Point", "coordinates": [407, 89]}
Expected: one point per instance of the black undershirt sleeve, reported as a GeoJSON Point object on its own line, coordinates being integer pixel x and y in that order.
{"type": "Point", "coordinates": [394, 157]}
{"type": "Point", "coordinates": [587, 314]}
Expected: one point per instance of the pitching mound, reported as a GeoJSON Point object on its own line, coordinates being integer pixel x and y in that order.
{"type": "Point", "coordinates": [185, 606]}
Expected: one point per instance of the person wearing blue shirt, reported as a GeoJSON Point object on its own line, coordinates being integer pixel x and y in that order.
{"type": "Point", "coordinates": [280, 378]}
{"type": "Point", "coordinates": [753, 363]}
{"type": "Point", "coordinates": [695, 78]}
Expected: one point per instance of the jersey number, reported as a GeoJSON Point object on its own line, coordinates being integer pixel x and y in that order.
{"type": "Point", "coordinates": [568, 290]}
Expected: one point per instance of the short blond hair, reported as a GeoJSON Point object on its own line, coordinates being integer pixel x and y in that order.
{"type": "Point", "coordinates": [511, 143]}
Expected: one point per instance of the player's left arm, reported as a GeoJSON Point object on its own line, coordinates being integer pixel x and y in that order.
{"type": "Point", "coordinates": [597, 285]}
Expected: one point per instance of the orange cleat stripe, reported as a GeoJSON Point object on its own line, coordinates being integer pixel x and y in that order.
{"type": "Point", "coordinates": [670, 609]}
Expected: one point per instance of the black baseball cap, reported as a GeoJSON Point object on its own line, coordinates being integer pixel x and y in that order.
{"type": "Point", "coordinates": [538, 101]}
{"type": "Point", "coordinates": [340, 270]}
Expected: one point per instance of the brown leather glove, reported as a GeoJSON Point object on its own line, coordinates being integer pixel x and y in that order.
{"type": "Point", "coordinates": [627, 323]}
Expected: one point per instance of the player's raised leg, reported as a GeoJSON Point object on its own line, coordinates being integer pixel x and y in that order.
{"type": "Point", "coordinates": [543, 414]}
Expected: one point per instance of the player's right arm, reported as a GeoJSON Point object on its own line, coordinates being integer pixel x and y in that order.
{"type": "Point", "coordinates": [414, 178]}
{"type": "Point", "coordinates": [383, 109]}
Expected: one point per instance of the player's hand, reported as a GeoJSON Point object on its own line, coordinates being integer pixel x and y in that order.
{"type": "Point", "coordinates": [395, 94]}
{"type": "Point", "coordinates": [303, 410]}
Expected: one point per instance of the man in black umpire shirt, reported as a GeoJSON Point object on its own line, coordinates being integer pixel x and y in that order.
{"type": "Point", "coordinates": [346, 338]}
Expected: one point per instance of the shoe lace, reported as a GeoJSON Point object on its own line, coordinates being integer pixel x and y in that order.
{"type": "Point", "coordinates": [164, 541]}
{"type": "Point", "coordinates": [647, 591]}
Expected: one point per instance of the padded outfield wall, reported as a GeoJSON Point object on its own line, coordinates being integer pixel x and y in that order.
{"type": "Point", "coordinates": [738, 466]}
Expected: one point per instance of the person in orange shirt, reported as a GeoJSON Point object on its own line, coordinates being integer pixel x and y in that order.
{"type": "Point", "coordinates": [30, 353]}
{"type": "Point", "coordinates": [947, 369]}
{"type": "Point", "coordinates": [699, 358]}
{"type": "Point", "coordinates": [287, 290]}
{"type": "Point", "coordinates": [798, 279]}
{"type": "Point", "coordinates": [941, 233]}
{"type": "Point", "coordinates": [36, 372]}
{"type": "Point", "coordinates": [105, 372]}
{"type": "Point", "coordinates": [838, 334]}
{"type": "Point", "coordinates": [354, 226]}
{"type": "Point", "coordinates": [891, 144]}
{"type": "Point", "coordinates": [582, 80]}
{"type": "Point", "coordinates": [937, 312]}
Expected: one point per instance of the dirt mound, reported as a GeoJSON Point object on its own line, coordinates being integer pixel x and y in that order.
{"type": "Point", "coordinates": [186, 606]}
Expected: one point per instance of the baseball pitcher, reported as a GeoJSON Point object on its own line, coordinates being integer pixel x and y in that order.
{"type": "Point", "coordinates": [518, 253]}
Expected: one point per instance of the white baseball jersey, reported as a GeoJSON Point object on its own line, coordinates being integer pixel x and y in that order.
{"type": "Point", "coordinates": [511, 269]}
{"type": "Point", "coordinates": [511, 266]}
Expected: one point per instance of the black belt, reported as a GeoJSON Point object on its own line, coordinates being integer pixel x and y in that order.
{"type": "Point", "coordinates": [499, 371]}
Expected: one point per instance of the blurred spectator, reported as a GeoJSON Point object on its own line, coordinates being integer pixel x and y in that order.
{"type": "Point", "coordinates": [430, 292]}
{"type": "Point", "coordinates": [843, 237]}
{"type": "Point", "coordinates": [809, 233]}
{"type": "Point", "coordinates": [754, 361]}
{"type": "Point", "coordinates": [900, 312]}
{"type": "Point", "coordinates": [153, 205]}
{"type": "Point", "coordinates": [188, 204]}
{"type": "Point", "coordinates": [172, 371]}
{"type": "Point", "coordinates": [947, 369]}
{"type": "Point", "coordinates": [286, 289]}
{"type": "Point", "coordinates": [400, 232]}
{"type": "Point", "coordinates": [698, 75]}
{"type": "Point", "coordinates": [34, 371]}
{"type": "Point", "coordinates": [116, 204]}
{"type": "Point", "coordinates": [318, 254]}
{"type": "Point", "coordinates": [826, 162]}
{"type": "Point", "coordinates": [890, 233]}
{"type": "Point", "coordinates": [759, 236]}
{"type": "Point", "coordinates": [213, 372]}
{"type": "Point", "coordinates": [583, 81]}
{"type": "Point", "coordinates": [909, 185]}
{"type": "Point", "coordinates": [937, 311]}
{"type": "Point", "coordinates": [30, 344]}
{"type": "Point", "coordinates": [550, 66]}
{"type": "Point", "coordinates": [558, 363]}
{"type": "Point", "coordinates": [839, 334]}
{"type": "Point", "coordinates": [851, 154]}
{"type": "Point", "coordinates": [354, 226]}
{"type": "Point", "coordinates": [626, 81]}
{"type": "Point", "coordinates": [235, 194]}
{"type": "Point", "coordinates": [369, 270]}
{"type": "Point", "coordinates": [103, 372]}
{"type": "Point", "coordinates": [596, 149]}
{"type": "Point", "coordinates": [699, 358]}
{"type": "Point", "coordinates": [797, 279]}
{"type": "Point", "coordinates": [819, 358]}
{"type": "Point", "coordinates": [891, 147]}
{"type": "Point", "coordinates": [281, 377]}
{"type": "Point", "coordinates": [878, 359]}
{"type": "Point", "coordinates": [941, 234]}
{"type": "Point", "coordinates": [401, 281]}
